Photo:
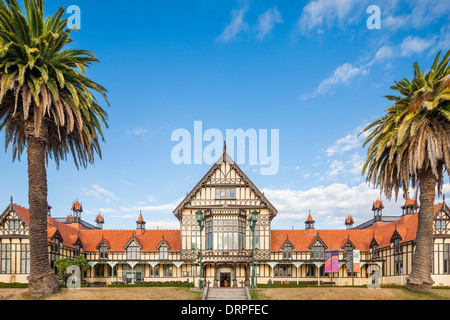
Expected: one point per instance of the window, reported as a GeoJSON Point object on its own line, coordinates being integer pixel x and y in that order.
{"type": "Point", "coordinates": [225, 194]}
{"type": "Point", "coordinates": [163, 252]}
{"type": "Point", "coordinates": [446, 258]}
{"type": "Point", "coordinates": [287, 253]}
{"type": "Point", "coordinates": [154, 271]}
{"type": "Point", "coordinates": [282, 271]}
{"type": "Point", "coordinates": [375, 252]}
{"type": "Point", "coordinates": [398, 258]}
{"type": "Point", "coordinates": [103, 252]}
{"type": "Point", "coordinates": [25, 258]}
{"type": "Point", "coordinates": [6, 258]}
{"type": "Point", "coordinates": [317, 253]}
{"type": "Point", "coordinates": [99, 271]}
{"type": "Point", "coordinates": [133, 252]}
{"type": "Point", "coordinates": [241, 235]}
{"type": "Point", "coordinates": [310, 271]}
{"type": "Point", "coordinates": [257, 229]}
{"type": "Point", "coordinates": [397, 248]}
{"type": "Point", "coordinates": [441, 225]}
{"type": "Point", "coordinates": [225, 234]}
{"type": "Point", "coordinates": [14, 224]}
{"type": "Point", "coordinates": [113, 271]}
{"type": "Point", "coordinates": [168, 270]}
{"type": "Point", "coordinates": [209, 236]}
{"type": "Point", "coordinates": [54, 254]}
{"type": "Point", "coordinates": [77, 251]}
{"type": "Point", "coordinates": [195, 236]}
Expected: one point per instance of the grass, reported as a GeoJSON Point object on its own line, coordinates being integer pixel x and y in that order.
{"type": "Point", "coordinates": [387, 292]}
{"type": "Point", "coordinates": [151, 285]}
{"type": "Point", "coordinates": [13, 285]}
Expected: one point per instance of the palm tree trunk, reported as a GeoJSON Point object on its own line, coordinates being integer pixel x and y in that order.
{"type": "Point", "coordinates": [42, 280]}
{"type": "Point", "coordinates": [420, 277]}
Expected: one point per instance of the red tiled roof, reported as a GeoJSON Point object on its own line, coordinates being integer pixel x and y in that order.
{"type": "Point", "coordinates": [117, 239]}
{"type": "Point", "coordinates": [349, 220]}
{"type": "Point", "coordinates": [23, 213]}
{"type": "Point", "coordinates": [99, 219]}
{"type": "Point", "coordinates": [410, 202]}
{"type": "Point", "coordinates": [310, 219]}
{"type": "Point", "coordinates": [141, 219]}
{"type": "Point", "coordinates": [77, 207]}
{"type": "Point", "coordinates": [406, 227]}
{"type": "Point", "coordinates": [378, 205]}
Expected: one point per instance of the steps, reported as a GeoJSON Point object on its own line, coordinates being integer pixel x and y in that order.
{"type": "Point", "coordinates": [228, 294]}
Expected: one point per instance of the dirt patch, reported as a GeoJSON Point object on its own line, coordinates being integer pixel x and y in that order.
{"type": "Point", "coordinates": [127, 294]}
{"type": "Point", "coordinates": [347, 294]}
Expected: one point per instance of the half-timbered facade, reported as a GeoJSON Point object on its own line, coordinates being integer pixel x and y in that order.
{"type": "Point", "coordinates": [227, 198]}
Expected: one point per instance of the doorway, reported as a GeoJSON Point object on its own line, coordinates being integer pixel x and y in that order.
{"type": "Point", "coordinates": [225, 280]}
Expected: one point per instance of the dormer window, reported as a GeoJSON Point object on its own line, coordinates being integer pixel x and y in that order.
{"type": "Point", "coordinates": [317, 253]}
{"type": "Point", "coordinates": [103, 253]}
{"type": "Point", "coordinates": [163, 252]}
{"type": "Point", "coordinates": [77, 250]}
{"type": "Point", "coordinates": [397, 247]}
{"type": "Point", "coordinates": [133, 252]}
{"type": "Point", "coordinates": [375, 252]}
{"type": "Point", "coordinates": [287, 253]}
{"type": "Point", "coordinates": [398, 258]}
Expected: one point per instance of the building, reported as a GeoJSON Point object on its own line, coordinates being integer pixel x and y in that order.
{"type": "Point", "coordinates": [226, 199]}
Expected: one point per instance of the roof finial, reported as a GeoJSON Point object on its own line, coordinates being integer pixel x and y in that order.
{"type": "Point", "coordinates": [444, 198]}
{"type": "Point", "coordinates": [12, 200]}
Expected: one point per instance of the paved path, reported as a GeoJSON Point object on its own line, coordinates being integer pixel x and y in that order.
{"type": "Point", "coordinates": [226, 294]}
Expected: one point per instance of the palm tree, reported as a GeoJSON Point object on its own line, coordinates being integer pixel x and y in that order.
{"type": "Point", "coordinates": [410, 147]}
{"type": "Point", "coordinates": [48, 107]}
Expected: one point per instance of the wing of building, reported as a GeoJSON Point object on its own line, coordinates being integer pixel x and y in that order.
{"type": "Point", "coordinates": [228, 245]}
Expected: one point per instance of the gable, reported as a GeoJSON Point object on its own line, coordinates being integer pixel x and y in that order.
{"type": "Point", "coordinates": [225, 185]}
{"type": "Point", "coordinates": [348, 243]}
{"type": "Point", "coordinates": [12, 224]}
{"type": "Point", "coordinates": [133, 242]}
{"type": "Point", "coordinates": [163, 243]}
{"type": "Point", "coordinates": [287, 244]}
{"type": "Point", "coordinates": [318, 242]}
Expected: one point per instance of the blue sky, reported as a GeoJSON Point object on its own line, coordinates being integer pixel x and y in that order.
{"type": "Point", "coordinates": [311, 69]}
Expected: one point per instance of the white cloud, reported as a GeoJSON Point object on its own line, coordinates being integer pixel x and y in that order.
{"type": "Point", "coordinates": [267, 21]}
{"type": "Point", "coordinates": [443, 40]}
{"type": "Point", "coordinates": [414, 45]}
{"type": "Point", "coordinates": [164, 208]}
{"type": "Point", "coordinates": [422, 13]}
{"type": "Point", "coordinates": [411, 45]}
{"type": "Point", "coordinates": [336, 167]}
{"type": "Point", "coordinates": [348, 143]}
{"type": "Point", "coordinates": [329, 205]}
{"type": "Point", "coordinates": [382, 54]}
{"type": "Point", "coordinates": [319, 14]}
{"type": "Point", "coordinates": [138, 131]}
{"type": "Point", "coordinates": [100, 193]}
{"type": "Point", "coordinates": [125, 181]}
{"type": "Point", "coordinates": [342, 75]}
{"type": "Point", "coordinates": [236, 25]}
